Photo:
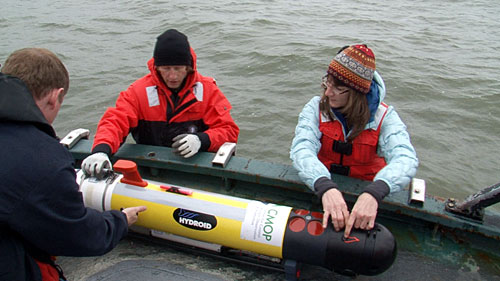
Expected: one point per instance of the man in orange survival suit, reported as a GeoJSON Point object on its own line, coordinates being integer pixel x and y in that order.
{"type": "Point", "coordinates": [173, 105]}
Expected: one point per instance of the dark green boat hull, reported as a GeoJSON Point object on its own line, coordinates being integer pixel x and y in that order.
{"type": "Point", "coordinates": [427, 230]}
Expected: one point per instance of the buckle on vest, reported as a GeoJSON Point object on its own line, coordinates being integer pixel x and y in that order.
{"type": "Point", "coordinates": [342, 147]}
{"type": "Point", "coordinates": [340, 169]}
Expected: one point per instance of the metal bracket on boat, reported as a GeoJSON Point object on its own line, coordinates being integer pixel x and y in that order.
{"type": "Point", "coordinates": [74, 136]}
{"type": "Point", "coordinates": [473, 206]}
{"type": "Point", "coordinates": [417, 192]}
{"type": "Point", "coordinates": [224, 153]}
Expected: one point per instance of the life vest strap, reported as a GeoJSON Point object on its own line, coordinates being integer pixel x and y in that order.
{"type": "Point", "coordinates": [340, 169]}
{"type": "Point", "coordinates": [342, 147]}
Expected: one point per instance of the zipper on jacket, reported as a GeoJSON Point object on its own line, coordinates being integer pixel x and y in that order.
{"type": "Point", "coordinates": [172, 112]}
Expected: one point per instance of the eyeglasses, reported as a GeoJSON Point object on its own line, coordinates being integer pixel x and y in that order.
{"type": "Point", "coordinates": [326, 83]}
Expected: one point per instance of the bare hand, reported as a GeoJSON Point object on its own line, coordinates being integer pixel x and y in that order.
{"type": "Point", "coordinates": [133, 213]}
{"type": "Point", "coordinates": [363, 214]}
{"type": "Point", "coordinates": [334, 206]}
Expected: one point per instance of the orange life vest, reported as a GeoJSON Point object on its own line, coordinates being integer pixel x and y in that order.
{"type": "Point", "coordinates": [358, 159]}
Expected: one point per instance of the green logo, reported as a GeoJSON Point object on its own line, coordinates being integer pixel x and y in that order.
{"type": "Point", "coordinates": [268, 224]}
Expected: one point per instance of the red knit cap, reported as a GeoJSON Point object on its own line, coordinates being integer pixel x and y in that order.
{"type": "Point", "coordinates": [354, 66]}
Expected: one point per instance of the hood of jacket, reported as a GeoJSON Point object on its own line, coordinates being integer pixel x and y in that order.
{"type": "Point", "coordinates": [191, 78]}
{"type": "Point", "coordinates": [376, 94]}
{"type": "Point", "coordinates": [17, 104]}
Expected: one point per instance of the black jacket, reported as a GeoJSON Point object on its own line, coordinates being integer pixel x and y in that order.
{"type": "Point", "coordinates": [41, 210]}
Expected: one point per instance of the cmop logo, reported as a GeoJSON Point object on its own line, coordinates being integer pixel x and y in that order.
{"type": "Point", "coordinates": [195, 220]}
{"type": "Point", "coordinates": [265, 223]}
{"type": "Point", "coordinates": [268, 228]}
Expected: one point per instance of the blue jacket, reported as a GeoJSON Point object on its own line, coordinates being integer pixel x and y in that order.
{"type": "Point", "coordinates": [41, 210]}
{"type": "Point", "coordinates": [394, 145]}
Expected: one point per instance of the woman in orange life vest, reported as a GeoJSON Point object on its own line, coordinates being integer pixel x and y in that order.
{"type": "Point", "coordinates": [350, 131]}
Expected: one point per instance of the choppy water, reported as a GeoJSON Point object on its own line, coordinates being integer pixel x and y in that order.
{"type": "Point", "coordinates": [439, 60]}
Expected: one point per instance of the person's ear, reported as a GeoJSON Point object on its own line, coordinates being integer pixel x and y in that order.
{"type": "Point", "coordinates": [55, 96]}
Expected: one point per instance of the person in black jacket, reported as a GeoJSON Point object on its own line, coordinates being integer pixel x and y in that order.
{"type": "Point", "coordinates": [42, 214]}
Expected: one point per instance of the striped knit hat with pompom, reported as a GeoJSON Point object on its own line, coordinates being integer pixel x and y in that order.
{"type": "Point", "coordinates": [354, 66]}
